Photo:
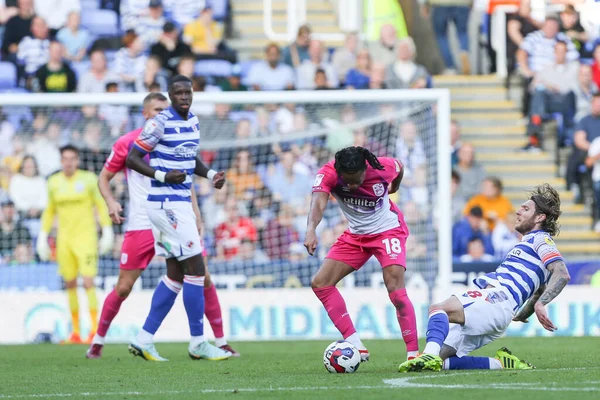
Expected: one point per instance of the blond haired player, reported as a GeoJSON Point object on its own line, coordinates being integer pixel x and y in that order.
{"type": "Point", "coordinates": [72, 196]}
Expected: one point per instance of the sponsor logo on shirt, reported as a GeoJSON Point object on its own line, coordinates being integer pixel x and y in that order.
{"type": "Point", "coordinates": [186, 150]}
{"type": "Point", "coordinates": [318, 180]}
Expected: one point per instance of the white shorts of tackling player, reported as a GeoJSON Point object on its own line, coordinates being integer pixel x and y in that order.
{"type": "Point", "coordinates": [488, 312]}
{"type": "Point", "coordinates": [175, 231]}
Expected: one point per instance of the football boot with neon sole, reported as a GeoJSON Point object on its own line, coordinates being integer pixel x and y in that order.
{"type": "Point", "coordinates": [73, 338]}
{"type": "Point", "coordinates": [364, 355]}
{"type": "Point", "coordinates": [510, 361]}
{"type": "Point", "coordinates": [146, 351]}
{"type": "Point", "coordinates": [425, 362]}
{"type": "Point", "coordinates": [207, 351]}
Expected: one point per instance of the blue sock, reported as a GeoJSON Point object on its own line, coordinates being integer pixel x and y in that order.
{"type": "Point", "coordinates": [162, 301]}
{"type": "Point", "coordinates": [437, 331]}
{"type": "Point", "coordinates": [193, 300]}
{"type": "Point", "coordinates": [469, 362]}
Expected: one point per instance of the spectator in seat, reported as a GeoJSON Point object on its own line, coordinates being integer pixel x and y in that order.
{"type": "Point", "coordinates": [186, 66]}
{"type": "Point", "coordinates": [130, 61]}
{"type": "Point", "coordinates": [537, 51]}
{"type": "Point", "coordinates": [476, 252]}
{"type": "Point", "coordinates": [404, 73]}
{"type": "Point", "coordinates": [519, 25]}
{"type": "Point", "coordinates": [56, 12]}
{"type": "Point", "coordinates": [345, 57]}
{"type": "Point", "coordinates": [585, 133]}
{"type": "Point", "coordinates": [229, 234]}
{"type": "Point", "coordinates": [385, 50]}
{"type": "Point", "coordinates": [593, 162]}
{"type": "Point", "coordinates": [204, 35]}
{"type": "Point", "coordinates": [243, 178]}
{"type": "Point", "coordinates": [442, 13]}
{"type": "Point", "coordinates": [114, 115]}
{"type": "Point", "coordinates": [12, 232]}
{"type": "Point", "coordinates": [493, 203]}
{"type": "Point", "coordinates": [409, 147]}
{"type": "Point", "coordinates": [233, 83]}
{"type": "Point", "coordinates": [279, 234]}
{"type": "Point", "coordinates": [34, 50]}
{"type": "Point", "coordinates": [457, 201]}
{"type": "Point", "coordinates": [472, 226]}
{"type": "Point", "coordinates": [504, 236]}
{"type": "Point", "coordinates": [305, 73]}
{"type": "Point", "coordinates": [28, 189]}
{"type": "Point", "coordinates": [250, 253]}
{"type": "Point", "coordinates": [321, 80]}
{"type": "Point", "coordinates": [22, 254]}
{"type": "Point", "coordinates": [170, 48]}
{"type": "Point", "coordinates": [271, 74]}
{"type": "Point", "coordinates": [153, 74]}
{"type": "Point", "coordinates": [8, 9]}
{"type": "Point", "coordinates": [584, 92]}
{"type": "Point", "coordinates": [454, 140]}
{"type": "Point", "coordinates": [16, 29]}
{"type": "Point", "coordinates": [570, 25]}
{"type": "Point", "coordinates": [55, 76]}
{"type": "Point", "coordinates": [131, 11]}
{"type": "Point", "coordinates": [150, 26]}
{"type": "Point", "coordinates": [287, 184]}
{"type": "Point", "coordinates": [552, 92]}
{"type": "Point", "coordinates": [377, 76]}
{"type": "Point", "coordinates": [94, 152]}
{"type": "Point", "coordinates": [43, 145]}
{"type": "Point", "coordinates": [75, 39]}
{"type": "Point", "coordinates": [596, 65]}
{"type": "Point", "coordinates": [470, 171]}
{"type": "Point", "coordinates": [359, 76]}
{"type": "Point", "coordinates": [297, 52]}
{"type": "Point", "coordinates": [95, 80]}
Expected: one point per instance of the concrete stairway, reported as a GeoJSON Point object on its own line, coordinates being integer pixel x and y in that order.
{"type": "Point", "coordinates": [250, 39]}
{"type": "Point", "coordinates": [496, 128]}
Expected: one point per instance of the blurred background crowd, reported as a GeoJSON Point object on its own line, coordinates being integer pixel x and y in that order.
{"type": "Point", "coordinates": [97, 46]}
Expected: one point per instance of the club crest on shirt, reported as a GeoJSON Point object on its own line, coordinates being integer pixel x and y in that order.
{"type": "Point", "coordinates": [318, 180]}
{"type": "Point", "coordinates": [150, 126]}
{"type": "Point", "coordinates": [172, 218]}
{"type": "Point", "coordinates": [79, 187]}
{"type": "Point", "coordinates": [124, 258]}
{"type": "Point", "coordinates": [378, 189]}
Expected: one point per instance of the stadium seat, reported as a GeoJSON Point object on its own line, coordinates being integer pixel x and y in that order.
{"type": "Point", "coordinates": [80, 68]}
{"type": "Point", "coordinates": [220, 9]}
{"type": "Point", "coordinates": [239, 115]}
{"type": "Point", "coordinates": [103, 23]}
{"type": "Point", "coordinates": [87, 5]}
{"type": "Point", "coordinates": [212, 68]}
{"type": "Point", "coordinates": [8, 75]}
{"type": "Point", "coordinates": [246, 67]}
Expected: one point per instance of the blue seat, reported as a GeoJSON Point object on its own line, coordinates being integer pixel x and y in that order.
{"type": "Point", "coordinates": [8, 75]}
{"type": "Point", "coordinates": [212, 68]}
{"type": "Point", "coordinates": [101, 22]}
{"type": "Point", "coordinates": [220, 9]}
{"type": "Point", "coordinates": [80, 68]}
{"type": "Point", "coordinates": [87, 5]}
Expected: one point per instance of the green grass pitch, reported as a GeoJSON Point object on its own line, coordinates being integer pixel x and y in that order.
{"type": "Point", "coordinates": [567, 368]}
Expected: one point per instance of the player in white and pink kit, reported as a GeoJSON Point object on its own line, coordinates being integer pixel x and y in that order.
{"type": "Point", "coordinates": [361, 183]}
{"type": "Point", "coordinates": [138, 246]}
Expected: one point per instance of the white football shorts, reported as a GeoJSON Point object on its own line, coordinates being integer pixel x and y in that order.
{"type": "Point", "coordinates": [175, 231]}
{"type": "Point", "coordinates": [488, 312]}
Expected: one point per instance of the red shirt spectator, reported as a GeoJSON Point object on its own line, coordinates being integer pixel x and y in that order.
{"type": "Point", "coordinates": [229, 234]}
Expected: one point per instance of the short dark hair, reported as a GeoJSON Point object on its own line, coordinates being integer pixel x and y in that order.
{"type": "Point", "coordinates": [497, 182]}
{"type": "Point", "coordinates": [32, 158]}
{"type": "Point", "coordinates": [455, 176]}
{"type": "Point", "coordinates": [111, 84]}
{"type": "Point", "coordinates": [547, 202]}
{"type": "Point", "coordinates": [561, 42]}
{"type": "Point", "coordinates": [154, 96]}
{"type": "Point", "coordinates": [69, 147]}
{"type": "Point", "coordinates": [476, 211]}
{"type": "Point", "coordinates": [354, 159]}
{"type": "Point", "coordinates": [178, 78]}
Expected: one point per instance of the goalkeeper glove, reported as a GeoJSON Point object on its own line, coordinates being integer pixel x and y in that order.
{"type": "Point", "coordinates": [107, 240]}
{"type": "Point", "coordinates": [42, 247]}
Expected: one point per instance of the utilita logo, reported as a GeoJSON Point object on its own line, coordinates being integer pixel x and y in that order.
{"type": "Point", "coordinates": [353, 201]}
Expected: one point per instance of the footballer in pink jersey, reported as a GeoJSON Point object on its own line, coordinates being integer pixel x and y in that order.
{"type": "Point", "coordinates": [138, 248]}
{"type": "Point", "coordinates": [361, 184]}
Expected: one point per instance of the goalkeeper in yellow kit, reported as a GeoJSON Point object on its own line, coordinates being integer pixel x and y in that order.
{"type": "Point", "coordinates": [72, 196]}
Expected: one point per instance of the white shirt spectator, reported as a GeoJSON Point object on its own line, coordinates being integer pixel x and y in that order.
{"type": "Point", "coordinates": [541, 49]}
{"type": "Point", "coordinates": [150, 29]}
{"type": "Point", "coordinates": [7, 131]}
{"type": "Point", "coordinates": [503, 239]}
{"type": "Point", "coordinates": [55, 12]}
{"type": "Point", "coordinates": [132, 11]}
{"type": "Point", "coordinates": [305, 75]}
{"type": "Point", "coordinates": [91, 83]}
{"type": "Point", "coordinates": [467, 258]}
{"type": "Point", "coordinates": [33, 53]}
{"type": "Point", "coordinates": [115, 116]}
{"type": "Point", "coordinates": [279, 78]}
{"type": "Point", "coordinates": [28, 192]}
{"type": "Point", "coordinates": [593, 151]}
{"type": "Point", "coordinates": [127, 65]}
{"type": "Point", "coordinates": [47, 154]}
{"type": "Point", "coordinates": [412, 157]}
{"type": "Point", "coordinates": [183, 11]}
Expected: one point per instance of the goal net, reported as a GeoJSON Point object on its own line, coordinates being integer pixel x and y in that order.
{"type": "Point", "coordinates": [271, 146]}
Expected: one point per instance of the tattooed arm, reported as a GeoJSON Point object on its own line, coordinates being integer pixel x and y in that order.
{"type": "Point", "coordinates": [558, 280]}
{"type": "Point", "coordinates": [529, 307]}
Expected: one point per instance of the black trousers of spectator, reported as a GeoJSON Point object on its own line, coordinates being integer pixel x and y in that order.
{"type": "Point", "coordinates": [490, 50]}
{"type": "Point", "coordinates": [544, 102]}
{"type": "Point", "coordinates": [577, 173]}
{"type": "Point", "coordinates": [526, 82]}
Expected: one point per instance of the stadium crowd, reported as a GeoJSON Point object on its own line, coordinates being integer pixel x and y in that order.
{"type": "Point", "coordinates": [260, 215]}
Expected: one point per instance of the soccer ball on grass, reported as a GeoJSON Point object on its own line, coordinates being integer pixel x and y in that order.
{"type": "Point", "coordinates": [341, 357]}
